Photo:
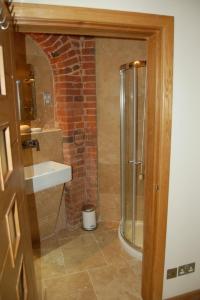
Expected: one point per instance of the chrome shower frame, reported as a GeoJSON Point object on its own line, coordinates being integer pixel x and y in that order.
{"type": "Point", "coordinates": [133, 159]}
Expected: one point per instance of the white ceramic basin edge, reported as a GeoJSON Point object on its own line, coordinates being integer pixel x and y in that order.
{"type": "Point", "coordinates": [44, 175]}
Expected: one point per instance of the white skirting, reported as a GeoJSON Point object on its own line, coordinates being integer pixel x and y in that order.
{"type": "Point", "coordinates": [127, 247]}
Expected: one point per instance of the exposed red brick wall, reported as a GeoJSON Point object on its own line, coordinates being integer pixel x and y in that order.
{"type": "Point", "coordinates": [72, 59]}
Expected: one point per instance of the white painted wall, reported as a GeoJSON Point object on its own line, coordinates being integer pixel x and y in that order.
{"type": "Point", "coordinates": [183, 234]}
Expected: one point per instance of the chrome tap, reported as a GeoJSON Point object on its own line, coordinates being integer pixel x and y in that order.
{"type": "Point", "coordinates": [31, 144]}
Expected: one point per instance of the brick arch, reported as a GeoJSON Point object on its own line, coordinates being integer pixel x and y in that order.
{"type": "Point", "coordinates": [72, 59]}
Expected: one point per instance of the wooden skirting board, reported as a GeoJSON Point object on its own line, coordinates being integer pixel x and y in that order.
{"type": "Point", "coordinates": [189, 296]}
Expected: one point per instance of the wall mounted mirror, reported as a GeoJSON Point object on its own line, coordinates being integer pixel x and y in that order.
{"type": "Point", "coordinates": [26, 95]}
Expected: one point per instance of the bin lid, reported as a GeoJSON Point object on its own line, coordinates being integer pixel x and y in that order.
{"type": "Point", "coordinates": [88, 207]}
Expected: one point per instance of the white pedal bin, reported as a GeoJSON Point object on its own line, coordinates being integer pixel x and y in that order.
{"type": "Point", "coordinates": [89, 217]}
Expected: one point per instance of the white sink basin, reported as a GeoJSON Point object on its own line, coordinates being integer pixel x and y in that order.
{"type": "Point", "coordinates": [47, 174]}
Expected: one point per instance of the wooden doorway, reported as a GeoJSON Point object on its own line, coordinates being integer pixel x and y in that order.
{"type": "Point", "coordinates": [17, 277]}
{"type": "Point", "coordinates": [158, 31]}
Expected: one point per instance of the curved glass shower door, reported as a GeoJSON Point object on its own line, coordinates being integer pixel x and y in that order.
{"type": "Point", "coordinates": [132, 101]}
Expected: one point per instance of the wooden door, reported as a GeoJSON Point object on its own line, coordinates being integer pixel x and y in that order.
{"type": "Point", "coordinates": [17, 280]}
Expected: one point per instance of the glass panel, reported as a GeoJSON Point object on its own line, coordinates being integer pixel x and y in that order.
{"type": "Point", "coordinates": [6, 165]}
{"type": "Point", "coordinates": [132, 151]}
{"type": "Point", "coordinates": [12, 226]}
{"type": "Point", "coordinates": [13, 229]}
{"type": "Point", "coordinates": [22, 284]}
{"type": "Point", "coordinates": [29, 94]}
{"type": "Point", "coordinates": [128, 155]}
{"type": "Point", "coordinates": [26, 94]}
{"type": "Point", "coordinates": [3, 155]}
{"type": "Point", "coordinates": [141, 96]}
{"type": "Point", "coordinates": [2, 73]}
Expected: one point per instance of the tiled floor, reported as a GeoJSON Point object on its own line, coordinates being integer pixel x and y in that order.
{"type": "Point", "coordinates": [86, 265]}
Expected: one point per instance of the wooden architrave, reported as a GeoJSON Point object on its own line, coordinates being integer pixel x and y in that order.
{"type": "Point", "coordinates": [158, 31]}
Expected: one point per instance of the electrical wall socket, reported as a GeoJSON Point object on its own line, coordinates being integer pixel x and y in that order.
{"type": "Point", "coordinates": [186, 269]}
{"type": "Point", "coordinates": [171, 273]}
{"type": "Point", "coordinates": [47, 98]}
{"type": "Point", "coordinates": [182, 270]}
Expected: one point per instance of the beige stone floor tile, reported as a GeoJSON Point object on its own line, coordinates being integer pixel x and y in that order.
{"type": "Point", "coordinates": [83, 259]}
{"type": "Point", "coordinates": [49, 244]}
{"type": "Point", "coordinates": [111, 283]}
{"type": "Point", "coordinates": [49, 264]}
{"type": "Point", "coordinates": [104, 226]}
{"type": "Point", "coordinates": [73, 235]}
{"type": "Point", "coordinates": [70, 287]}
{"type": "Point", "coordinates": [69, 236]}
{"type": "Point", "coordinates": [74, 241]}
{"type": "Point", "coordinates": [112, 249]}
{"type": "Point", "coordinates": [82, 254]}
{"type": "Point", "coordinates": [135, 265]}
{"type": "Point", "coordinates": [44, 295]}
{"type": "Point", "coordinates": [45, 245]}
{"type": "Point", "coordinates": [40, 289]}
{"type": "Point", "coordinates": [64, 261]}
{"type": "Point", "coordinates": [105, 237]}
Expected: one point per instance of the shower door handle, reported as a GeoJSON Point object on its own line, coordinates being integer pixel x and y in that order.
{"type": "Point", "coordinates": [136, 163]}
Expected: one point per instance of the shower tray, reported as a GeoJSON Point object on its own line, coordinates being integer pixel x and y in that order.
{"type": "Point", "coordinates": [44, 175]}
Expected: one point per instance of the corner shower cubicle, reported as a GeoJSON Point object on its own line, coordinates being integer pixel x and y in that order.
{"type": "Point", "coordinates": [132, 107]}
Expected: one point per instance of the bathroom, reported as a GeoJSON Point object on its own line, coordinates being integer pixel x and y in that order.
{"type": "Point", "coordinates": [76, 101]}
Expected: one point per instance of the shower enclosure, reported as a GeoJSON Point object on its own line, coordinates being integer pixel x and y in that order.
{"type": "Point", "coordinates": [132, 101]}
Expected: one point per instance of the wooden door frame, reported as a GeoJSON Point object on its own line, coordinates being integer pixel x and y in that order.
{"type": "Point", "coordinates": [158, 31]}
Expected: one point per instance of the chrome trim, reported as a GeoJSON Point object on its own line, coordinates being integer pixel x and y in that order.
{"type": "Point", "coordinates": [122, 142]}
{"type": "Point", "coordinates": [143, 127]}
{"type": "Point", "coordinates": [1, 11]}
{"type": "Point", "coordinates": [132, 244]}
{"type": "Point", "coordinates": [133, 64]}
{"type": "Point", "coordinates": [134, 147]}
{"type": "Point", "coordinates": [5, 27]}
{"type": "Point", "coordinates": [3, 20]}
{"type": "Point", "coordinates": [135, 162]}
{"type": "Point", "coordinates": [133, 68]}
